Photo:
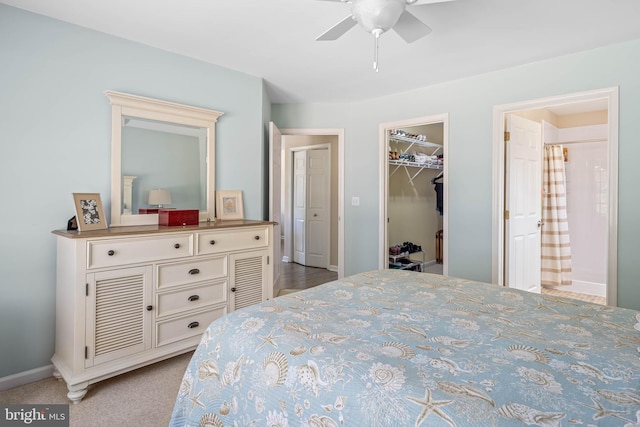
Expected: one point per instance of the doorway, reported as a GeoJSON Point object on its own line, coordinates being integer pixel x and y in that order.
{"type": "Point", "coordinates": [289, 139]}
{"type": "Point", "coordinates": [562, 119]}
{"type": "Point", "coordinates": [413, 188]}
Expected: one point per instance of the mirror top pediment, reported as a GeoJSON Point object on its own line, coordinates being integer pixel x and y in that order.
{"type": "Point", "coordinates": [150, 108]}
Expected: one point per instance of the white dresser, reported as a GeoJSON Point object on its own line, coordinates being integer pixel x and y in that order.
{"type": "Point", "coordinates": [127, 297]}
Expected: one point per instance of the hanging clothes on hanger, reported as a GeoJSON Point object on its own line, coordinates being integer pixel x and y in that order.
{"type": "Point", "coordinates": [438, 187]}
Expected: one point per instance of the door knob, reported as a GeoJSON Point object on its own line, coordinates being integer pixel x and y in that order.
{"type": "Point", "coordinates": [540, 223]}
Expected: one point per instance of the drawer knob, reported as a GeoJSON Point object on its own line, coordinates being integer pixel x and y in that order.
{"type": "Point", "coordinates": [212, 242]}
{"type": "Point", "coordinates": [193, 325]}
{"type": "Point", "coordinates": [194, 271]}
{"type": "Point", "coordinates": [233, 289]}
{"type": "Point", "coordinates": [194, 298]}
{"type": "Point", "coordinates": [257, 237]}
{"type": "Point", "coordinates": [149, 307]}
{"type": "Point", "coordinates": [177, 246]}
{"type": "Point", "coordinates": [111, 252]}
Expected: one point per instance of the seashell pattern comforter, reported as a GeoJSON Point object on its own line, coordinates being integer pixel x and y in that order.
{"type": "Point", "coordinates": [399, 348]}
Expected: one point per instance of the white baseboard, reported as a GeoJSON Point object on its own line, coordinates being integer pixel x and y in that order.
{"type": "Point", "coordinates": [333, 268]}
{"type": "Point", "coordinates": [285, 259]}
{"type": "Point", "coordinates": [26, 377]}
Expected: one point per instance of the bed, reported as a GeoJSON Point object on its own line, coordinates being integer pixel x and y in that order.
{"type": "Point", "coordinates": [400, 348]}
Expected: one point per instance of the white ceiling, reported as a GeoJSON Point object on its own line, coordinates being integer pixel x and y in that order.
{"type": "Point", "coordinates": [275, 39]}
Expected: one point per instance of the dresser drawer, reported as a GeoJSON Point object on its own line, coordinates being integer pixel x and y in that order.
{"type": "Point", "coordinates": [186, 326]}
{"type": "Point", "coordinates": [114, 252]}
{"type": "Point", "coordinates": [180, 301]}
{"type": "Point", "coordinates": [192, 271]}
{"type": "Point", "coordinates": [232, 240]}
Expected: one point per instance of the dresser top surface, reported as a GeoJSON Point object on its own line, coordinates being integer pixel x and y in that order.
{"type": "Point", "coordinates": [159, 229]}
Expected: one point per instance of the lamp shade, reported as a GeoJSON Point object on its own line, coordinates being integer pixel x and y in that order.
{"type": "Point", "coordinates": [159, 197]}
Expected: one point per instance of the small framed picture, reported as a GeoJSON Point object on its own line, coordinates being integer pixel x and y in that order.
{"type": "Point", "coordinates": [229, 204]}
{"type": "Point", "coordinates": [89, 212]}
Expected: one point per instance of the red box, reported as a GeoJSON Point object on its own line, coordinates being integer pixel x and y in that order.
{"type": "Point", "coordinates": [173, 217]}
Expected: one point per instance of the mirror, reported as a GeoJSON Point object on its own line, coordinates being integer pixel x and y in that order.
{"type": "Point", "coordinates": [160, 145]}
{"type": "Point", "coordinates": [161, 155]}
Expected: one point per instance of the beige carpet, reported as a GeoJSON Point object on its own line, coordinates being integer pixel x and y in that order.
{"type": "Point", "coordinates": [143, 397]}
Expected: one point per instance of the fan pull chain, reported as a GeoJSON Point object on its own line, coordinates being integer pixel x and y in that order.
{"type": "Point", "coordinates": [376, 34]}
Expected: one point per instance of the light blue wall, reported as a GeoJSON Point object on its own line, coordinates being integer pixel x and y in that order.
{"type": "Point", "coordinates": [55, 136]}
{"type": "Point", "coordinates": [266, 118]}
{"type": "Point", "coordinates": [470, 104]}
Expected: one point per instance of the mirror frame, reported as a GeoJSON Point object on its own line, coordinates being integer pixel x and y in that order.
{"type": "Point", "coordinates": [123, 104]}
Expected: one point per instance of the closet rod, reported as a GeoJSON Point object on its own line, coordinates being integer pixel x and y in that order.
{"type": "Point", "coordinates": [577, 141]}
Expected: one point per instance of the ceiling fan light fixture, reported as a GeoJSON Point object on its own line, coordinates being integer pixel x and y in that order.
{"type": "Point", "coordinates": [377, 14]}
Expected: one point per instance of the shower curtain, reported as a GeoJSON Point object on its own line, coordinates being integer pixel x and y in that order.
{"type": "Point", "coordinates": [556, 248]}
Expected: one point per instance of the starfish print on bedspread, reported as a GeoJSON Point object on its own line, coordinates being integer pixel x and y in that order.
{"type": "Point", "coordinates": [195, 400]}
{"type": "Point", "coordinates": [603, 412]}
{"type": "Point", "coordinates": [431, 406]}
{"type": "Point", "coordinates": [268, 339]}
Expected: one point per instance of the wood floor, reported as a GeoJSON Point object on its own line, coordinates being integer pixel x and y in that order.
{"type": "Point", "coordinates": [296, 276]}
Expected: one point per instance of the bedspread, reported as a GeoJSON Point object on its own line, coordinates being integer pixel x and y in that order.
{"type": "Point", "coordinates": [396, 348]}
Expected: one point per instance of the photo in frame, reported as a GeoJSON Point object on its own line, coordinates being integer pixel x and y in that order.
{"type": "Point", "coordinates": [229, 204]}
{"type": "Point", "coordinates": [89, 212]}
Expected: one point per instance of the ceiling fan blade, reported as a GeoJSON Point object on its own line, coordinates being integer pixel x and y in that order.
{"type": "Point", "coordinates": [410, 28]}
{"type": "Point", "coordinates": [425, 1]}
{"type": "Point", "coordinates": [338, 30]}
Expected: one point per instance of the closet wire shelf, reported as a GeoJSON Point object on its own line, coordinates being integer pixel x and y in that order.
{"type": "Point", "coordinates": [398, 163]}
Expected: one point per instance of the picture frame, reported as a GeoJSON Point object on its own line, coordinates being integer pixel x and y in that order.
{"type": "Point", "coordinates": [229, 204]}
{"type": "Point", "coordinates": [89, 212]}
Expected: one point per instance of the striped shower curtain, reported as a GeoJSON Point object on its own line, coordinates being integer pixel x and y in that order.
{"type": "Point", "coordinates": [556, 248]}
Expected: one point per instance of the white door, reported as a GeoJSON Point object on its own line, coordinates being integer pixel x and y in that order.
{"type": "Point", "coordinates": [299, 205]}
{"type": "Point", "coordinates": [311, 207]}
{"type": "Point", "coordinates": [523, 203]}
{"type": "Point", "coordinates": [317, 227]}
{"type": "Point", "coordinates": [275, 194]}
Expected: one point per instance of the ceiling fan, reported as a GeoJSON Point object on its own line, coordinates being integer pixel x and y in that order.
{"type": "Point", "coordinates": [377, 17]}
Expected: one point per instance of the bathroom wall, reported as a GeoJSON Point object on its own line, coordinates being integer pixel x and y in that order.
{"type": "Point", "coordinates": [587, 205]}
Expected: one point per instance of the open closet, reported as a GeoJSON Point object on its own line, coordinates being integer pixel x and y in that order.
{"type": "Point", "coordinates": [415, 191]}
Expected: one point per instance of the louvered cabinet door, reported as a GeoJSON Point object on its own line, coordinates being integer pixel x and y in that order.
{"type": "Point", "coordinates": [249, 278]}
{"type": "Point", "coordinates": [118, 320]}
